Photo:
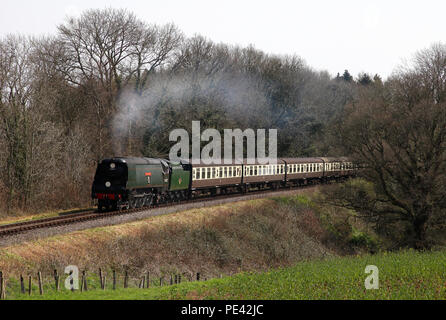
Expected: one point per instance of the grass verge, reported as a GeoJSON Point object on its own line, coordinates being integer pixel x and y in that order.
{"type": "Point", "coordinates": [402, 275]}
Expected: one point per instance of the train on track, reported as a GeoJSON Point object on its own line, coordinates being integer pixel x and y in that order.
{"type": "Point", "coordinates": [130, 182]}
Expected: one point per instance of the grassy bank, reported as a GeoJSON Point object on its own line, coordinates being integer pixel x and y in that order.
{"type": "Point", "coordinates": [402, 275]}
{"type": "Point", "coordinates": [225, 239]}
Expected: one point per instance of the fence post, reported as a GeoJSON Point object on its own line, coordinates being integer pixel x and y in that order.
{"type": "Point", "coordinates": [148, 280]}
{"type": "Point", "coordinates": [126, 279]}
{"type": "Point", "coordinates": [161, 281]}
{"type": "Point", "coordinates": [22, 284]}
{"type": "Point", "coordinates": [84, 274]}
{"type": "Point", "coordinates": [171, 281]}
{"type": "Point", "coordinates": [144, 281]}
{"type": "Point", "coordinates": [198, 276]}
{"type": "Point", "coordinates": [104, 282]}
{"type": "Point", "coordinates": [114, 279]}
{"type": "Point", "coordinates": [56, 279]}
{"type": "Point", "coordinates": [3, 288]}
{"type": "Point", "coordinates": [39, 276]}
{"type": "Point", "coordinates": [100, 278]}
{"type": "Point", "coordinates": [82, 282]}
{"type": "Point", "coordinates": [30, 285]}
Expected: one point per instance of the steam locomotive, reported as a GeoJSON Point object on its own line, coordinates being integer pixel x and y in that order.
{"type": "Point", "coordinates": [130, 182]}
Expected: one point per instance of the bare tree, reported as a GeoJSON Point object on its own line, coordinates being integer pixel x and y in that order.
{"type": "Point", "coordinates": [398, 133]}
{"type": "Point", "coordinates": [104, 50]}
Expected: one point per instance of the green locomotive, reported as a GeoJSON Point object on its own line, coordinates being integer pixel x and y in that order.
{"type": "Point", "coordinates": [125, 182]}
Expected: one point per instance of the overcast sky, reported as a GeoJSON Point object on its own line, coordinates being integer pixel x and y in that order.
{"type": "Point", "coordinates": [361, 36]}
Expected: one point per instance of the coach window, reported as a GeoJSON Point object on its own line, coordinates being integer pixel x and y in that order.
{"type": "Point", "coordinates": [194, 172]}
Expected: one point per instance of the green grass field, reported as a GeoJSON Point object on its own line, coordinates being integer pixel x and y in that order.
{"type": "Point", "coordinates": [402, 275]}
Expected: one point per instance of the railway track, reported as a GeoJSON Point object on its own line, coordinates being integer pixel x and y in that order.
{"type": "Point", "coordinates": [25, 226]}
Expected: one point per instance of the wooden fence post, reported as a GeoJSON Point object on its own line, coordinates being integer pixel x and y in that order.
{"type": "Point", "coordinates": [148, 280]}
{"type": "Point", "coordinates": [198, 276]}
{"type": "Point", "coordinates": [56, 279]}
{"type": "Point", "coordinates": [176, 279]}
{"type": "Point", "coordinates": [126, 279]}
{"type": "Point", "coordinates": [100, 278]}
{"type": "Point", "coordinates": [84, 275]}
{"type": "Point", "coordinates": [114, 279]}
{"type": "Point", "coordinates": [144, 281]}
{"type": "Point", "coordinates": [22, 284]}
{"type": "Point", "coordinates": [161, 281]}
{"type": "Point", "coordinates": [82, 282]}
{"type": "Point", "coordinates": [39, 276]}
{"type": "Point", "coordinates": [30, 285]}
{"type": "Point", "coordinates": [104, 282]}
{"type": "Point", "coordinates": [2, 288]}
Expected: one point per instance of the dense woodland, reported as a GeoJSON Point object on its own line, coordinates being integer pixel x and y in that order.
{"type": "Point", "coordinates": [110, 84]}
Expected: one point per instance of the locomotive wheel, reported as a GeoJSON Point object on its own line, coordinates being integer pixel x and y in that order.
{"type": "Point", "coordinates": [148, 201]}
{"type": "Point", "coordinates": [139, 202]}
{"type": "Point", "coordinates": [132, 203]}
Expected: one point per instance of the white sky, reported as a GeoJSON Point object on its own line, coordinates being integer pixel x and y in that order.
{"type": "Point", "coordinates": [361, 36]}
